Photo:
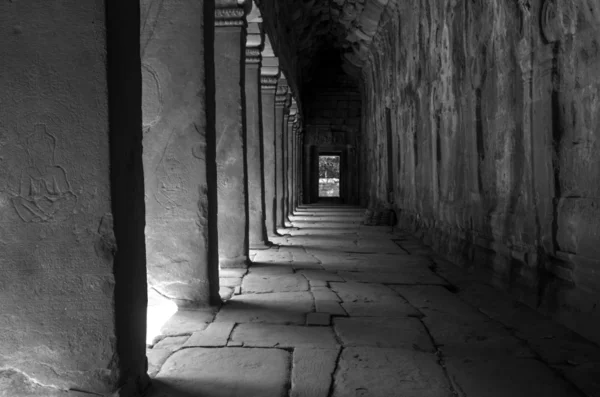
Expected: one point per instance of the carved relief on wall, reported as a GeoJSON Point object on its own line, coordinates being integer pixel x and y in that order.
{"type": "Point", "coordinates": [171, 175]}
{"type": "Point", "coordinates": [558, 19]}
{"type": "Point", "coordinates": [44, 192]}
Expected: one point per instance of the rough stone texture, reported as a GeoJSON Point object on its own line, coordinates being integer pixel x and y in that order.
{"type": "Point", "coordinates": [285, 336]}
{"type": "Point", "coordinates": [181, 252]}
{"type": "Point", "coordinates": [73, 286]}
{"type": "Point", "coordinates": [494, 128]}
{"type": "Point", "coordinates": [226, 372]}
{"type": "Point", "coordinates": [312, 371]}
{"type": "Point", "coordinates": [331, 307]}
{"type": "Point", "coordinates": [231, 156]}
{"type": "Point", "coordinates": [387, 372]}
{"type": "Point", "coordinates": [406, 333]}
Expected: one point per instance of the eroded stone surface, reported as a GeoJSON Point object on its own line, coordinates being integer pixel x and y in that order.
{"type": "Point", "coordinates": [368, 371]}
{"type": "Point", "coordinates": [225, 372]}
{"type": "Point", "coordinates": [312, 371]}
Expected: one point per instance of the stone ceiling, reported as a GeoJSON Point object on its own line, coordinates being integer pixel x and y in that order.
{"type": "Point", "coordinates": [312, 26]}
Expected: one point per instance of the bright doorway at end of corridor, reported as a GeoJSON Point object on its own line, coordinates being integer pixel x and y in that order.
{"type": "Point", "coordinates": [329, 175]}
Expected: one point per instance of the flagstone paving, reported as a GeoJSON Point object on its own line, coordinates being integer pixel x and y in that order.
{"type": "Point", "coordinates": [337, 308]}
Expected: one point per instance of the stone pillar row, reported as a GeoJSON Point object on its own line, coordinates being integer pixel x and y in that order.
{"type": "Point", "coordinates": [109, 196]}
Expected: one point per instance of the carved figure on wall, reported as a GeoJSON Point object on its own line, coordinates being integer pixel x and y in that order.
{"type": "Point", "coordinates": [44, 190]}
{"type": "Point", "coordinates": [171, 177]}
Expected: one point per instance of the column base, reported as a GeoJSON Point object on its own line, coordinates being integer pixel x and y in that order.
{"type": "Point", "coordinates": [241, 262]}
{"type": "Point", "coordinates": [261, 246]}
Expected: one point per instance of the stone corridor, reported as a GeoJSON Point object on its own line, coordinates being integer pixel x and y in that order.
{"type": "Point", "coordinates": [337, 308]}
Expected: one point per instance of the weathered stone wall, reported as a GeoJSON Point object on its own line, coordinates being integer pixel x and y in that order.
{"type": "Point", "coordinates": [494, 111]}
{"type": "Point", "coordinates": [73, 284]}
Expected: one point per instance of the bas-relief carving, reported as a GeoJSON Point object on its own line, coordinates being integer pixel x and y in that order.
{"type": "Point", "coordinates": [171, 176]}
{"type": "Point", "coordinates": [44, 193]}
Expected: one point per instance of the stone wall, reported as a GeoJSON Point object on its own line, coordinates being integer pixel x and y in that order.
{"type": "Point", "coordinates": [494, 111]}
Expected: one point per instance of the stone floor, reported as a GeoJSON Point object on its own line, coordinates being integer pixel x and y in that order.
{"type": "Point", "coordinates": [342, 309]}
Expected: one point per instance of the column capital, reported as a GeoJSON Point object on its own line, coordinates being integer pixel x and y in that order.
{"type": "Point", "coordinates": [281, 95]}
{"type": "Point", "coordinates": [231, 12]}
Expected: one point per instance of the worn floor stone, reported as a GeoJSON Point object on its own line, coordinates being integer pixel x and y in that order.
{"type": "Point", "coordinates": [331, 307]}
{"type": "Point", "coordinates": [225, 372]}
{"type": "Point", "coordinates": [406, 333]}
{"type": "Point", "coordinates": [312, 371]}
{"type": "Point", "coordinates": [397, 322]}
{"type": "Point", "coordinates": [260, 284]}
{"type": "Point", "coordinates": [376, 372]}
{"type": "Point", "coordinates": [215, 335]}
{"type": "Point", "coordinates": [268, 335]}
{"type": "Point", "coordinates": [276, 308]}
{"type": "Point", "coordinates": [171, 343]}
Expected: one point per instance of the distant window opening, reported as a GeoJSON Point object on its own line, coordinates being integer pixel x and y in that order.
{"type": "Point", "coordinates": [329, 176]}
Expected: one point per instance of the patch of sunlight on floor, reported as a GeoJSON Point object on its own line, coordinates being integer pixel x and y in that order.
{"type": "Point", "coordinates": [160, 310]}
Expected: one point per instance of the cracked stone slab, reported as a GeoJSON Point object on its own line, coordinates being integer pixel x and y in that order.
{"type": "Point", "coordinates": [376, 372]}
{"type": "Point", "coordinates": [186, 322]}
{"type": "Point", "coordinates": [331, 307]}
{"type": "Point", "coordinates": [171, 343]}
{"type": "Point", "coordinates": [260, 284]}
{"type": "Point", "coordinates": [406, 333]}
{"type": "Point", "coordinates": [156, 358]}
{"type": "Point", "coordinates": [392, 307]}
{"type": "Point", "coordinates": [312, 371]}
{"type": "Point", "coordinates": [215, 335]}
{"type": "Point", "coordinates": [501, 377]}
{"type": "Point", "coordinates": [586, 377]}
{"type": "Point", "coordinates": [285, 336]}
{"type": "Point", "coordinates": [324, 294]}
{"type": "Point", "coordinates": [225, 372]}
{"type": "Point", "coordinates": [317, 283]}
{"type": "Point", "coordinates": [275, 308]}
{"type": "Point", "coordinates": [361, 292]}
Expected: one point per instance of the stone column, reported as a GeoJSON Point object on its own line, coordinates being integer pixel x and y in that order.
{"type": "Point", "coordinates": [285, 162]}
{"type": "Point", "coordinates": [299, 161]}
{"type": "Point", "coordinates": [73, 287]}
{"type": "Point", "coordinates": [290, 136]}
{"type": "Point", "coordinates": [281, 100]}
{"type": "Point", "coordinates": [230, 40]}
{"type": "Point", "coordinates": [254, 143]}
{"type": "Point", "coordinates": [181, 238]}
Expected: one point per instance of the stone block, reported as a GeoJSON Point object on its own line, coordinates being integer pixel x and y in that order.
{"type": "Point", "coordinates": [312, 371]}
{"type": "Point", "coordinates": [215, 335]}
{"type": "Point", "coordinates": [323, 319]}
{"type": "Point", "coordinates": [284, 336]}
